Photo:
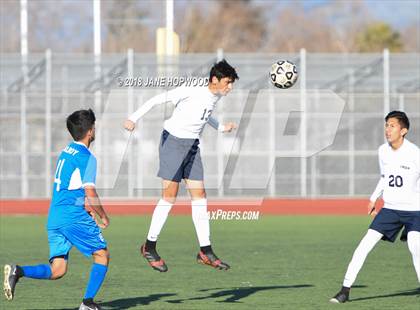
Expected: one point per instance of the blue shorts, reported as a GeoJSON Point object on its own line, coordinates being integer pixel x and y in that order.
{"type": "Point", "coordinates": [179, 158]}
{"type": "Point", "coordinates": [85, 236]}
{"type": "Point", "coordinates": [389, 222]}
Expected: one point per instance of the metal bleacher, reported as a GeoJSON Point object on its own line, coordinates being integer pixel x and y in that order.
{"type": "Point", "coordinates": [33, 111]}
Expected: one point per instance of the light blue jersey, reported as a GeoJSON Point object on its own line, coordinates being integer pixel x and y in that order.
{"type": "Point", "coordinates": [76, 168]}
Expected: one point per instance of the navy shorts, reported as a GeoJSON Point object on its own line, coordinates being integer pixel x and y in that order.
{"type": "Point", "coordinates": [389, 222]}
{"type": "Point", "coordinates": [179, 158]}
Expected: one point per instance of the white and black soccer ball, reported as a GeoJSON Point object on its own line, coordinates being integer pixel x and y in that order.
{"type": "Point", "coordinates": [283, 74]}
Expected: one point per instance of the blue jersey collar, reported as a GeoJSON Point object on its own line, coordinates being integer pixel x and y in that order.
{"type": "Point", "coordinates": [80, 143]}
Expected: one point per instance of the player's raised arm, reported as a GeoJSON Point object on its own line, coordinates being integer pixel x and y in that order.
{"type": "Point", "coordinates": [95, 203]}
{"type": "Point", "coordinates": [169, 96]}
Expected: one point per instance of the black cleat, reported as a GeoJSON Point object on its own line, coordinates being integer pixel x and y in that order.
{"type": "Point", "coordinates": [212, 260]}
{"type": "Point", "coordinates": [10, 279]}
{"type": "Point", "coordinates": [153, 259]}
{"type": "Point", "coordinates": [341, 297]}
{"type": "Point", "coordinates": [89, 306]}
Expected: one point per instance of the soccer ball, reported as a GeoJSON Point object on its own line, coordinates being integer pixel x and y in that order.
{"type": "Point", "coordinates": [283, 74]}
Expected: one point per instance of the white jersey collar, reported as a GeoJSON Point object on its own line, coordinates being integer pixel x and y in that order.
{"type": "Point", "coordinates": [403, 146]}
{"type": "Point", "coordinates": [210, 93]}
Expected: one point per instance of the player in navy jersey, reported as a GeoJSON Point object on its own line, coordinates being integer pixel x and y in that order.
{"type": "Point", "coordinates": [69, 224]}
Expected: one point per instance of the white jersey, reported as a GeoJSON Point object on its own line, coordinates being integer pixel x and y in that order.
{"type": "Point", "coordinates": [400, 177]}
{"type": "Point", "coordinates": [193, 108]}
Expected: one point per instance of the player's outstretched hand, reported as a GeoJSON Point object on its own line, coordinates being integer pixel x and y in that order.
{"type": "Point", "coordinates": [129, 125]}
{"type": "Point", "coordinates": [371, 208]}
{"type": "Point", "coordinates": [229, 127]}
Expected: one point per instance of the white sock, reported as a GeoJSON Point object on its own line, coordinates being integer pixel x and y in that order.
{"type": "Point", "coordinates": [413, 240]}
{"type": "Point", "coordinates": [160, 214]}
{"type": "Point", "coordinates": [201, 221]}
{"type": "Point", "coordinates": [368, 242]}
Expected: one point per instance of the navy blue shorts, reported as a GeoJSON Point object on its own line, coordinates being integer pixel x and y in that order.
{"type": "Point", "coordinates": [389, 222]}
{"type": "Point", "coordinates": [179, 158]}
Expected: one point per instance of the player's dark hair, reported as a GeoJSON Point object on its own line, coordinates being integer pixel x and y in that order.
{"type": "Point", "coordinates": [222, 69]}
{"type": "Point", "coordinates": [80, 122]}
{"type": "Point", "coordinates": [401, 117]}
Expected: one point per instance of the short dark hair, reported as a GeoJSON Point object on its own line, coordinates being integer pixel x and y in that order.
{"type": "Point", "coordinates": [80, 122]}
{"type": "Point", "coordinates": [401, 117]}
{"type": "Point", "coordinates": [223, 69]}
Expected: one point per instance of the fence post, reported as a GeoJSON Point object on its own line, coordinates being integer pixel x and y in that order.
{"type": "Point", "coordinates": [386, 80]}
{"type": "Point", "coordinates": [23, 120]}
{"type": "Point", "coordinates": [48, 72]}
{"type": "Point", "coordinates": [130, 93]}
{"type": "Point", "coordinates": [303, 163]}
{"type": "Point", "coordinates": [351, 134]}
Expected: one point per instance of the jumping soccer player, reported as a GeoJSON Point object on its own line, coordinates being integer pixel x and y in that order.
{"type": "Point", "coordinates": [179, 157]}
{"type": "Point", "coordinates": [69, 224]}
{"type": "Point", "coordinates": [399, 162]}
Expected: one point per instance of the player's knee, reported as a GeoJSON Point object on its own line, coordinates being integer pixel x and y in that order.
{"type": "Point", "coordinates": [169, 198]}
{"type": "Point", "coordinates": [102, 257]}
{"type": "Point", "coordinates": [200, 194]}
{"type": "Point", "coordinates": [57, 272]}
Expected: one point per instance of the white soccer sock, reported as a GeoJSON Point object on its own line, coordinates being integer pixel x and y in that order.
{"type": "Point", "coordinates": [368, 242]}
{"type": "Point", "coordinates": [413, 240]}
{"type": "Point", "coordinates": [160, 214]}
{"type": "Point", "coordinates": [201, 221]}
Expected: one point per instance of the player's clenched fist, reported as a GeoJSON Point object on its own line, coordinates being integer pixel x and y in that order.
{"type": "Point", "coordinates": [371, 208]}
{"type": "Point", "coordinates": [229, 127]}
{"type": "Point", "coordinates": [105, 222]}
{"type": "Point", "coordinates": [129, 125]}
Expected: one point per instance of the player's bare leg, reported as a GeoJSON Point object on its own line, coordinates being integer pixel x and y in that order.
{"type": "Point", "coordinates": [160, 214]}
{"type": "Point", "coordinates": [58, 268]}
{"type": "Point", "coordinates": [200, 218]}
{"type": "Point", "coordinates": [169, 190]}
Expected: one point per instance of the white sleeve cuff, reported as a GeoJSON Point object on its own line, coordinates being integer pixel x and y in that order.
{"type": "Point", "coordinates": [88, 184]}
{"type": "Point", "coordinates": [133, 119]}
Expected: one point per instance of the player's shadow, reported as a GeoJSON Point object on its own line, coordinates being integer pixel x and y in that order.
{"type": "Point", "coordinates": [126, 303]}
{"type": "Point", "coordinates": [235, 294]}
{"type": "Point", "coordinates": [412, 292]}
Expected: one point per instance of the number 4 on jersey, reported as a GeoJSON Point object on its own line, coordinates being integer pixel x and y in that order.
{"type": "Point", "coordinates": [57, 175]}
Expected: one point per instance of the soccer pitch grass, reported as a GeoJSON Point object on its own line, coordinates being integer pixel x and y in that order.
{"type": "Point", "coordinates": [278, 262]}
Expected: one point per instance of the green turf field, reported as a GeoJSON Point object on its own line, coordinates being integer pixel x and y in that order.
{"type": "Point", "coordinates": [277, 263]}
